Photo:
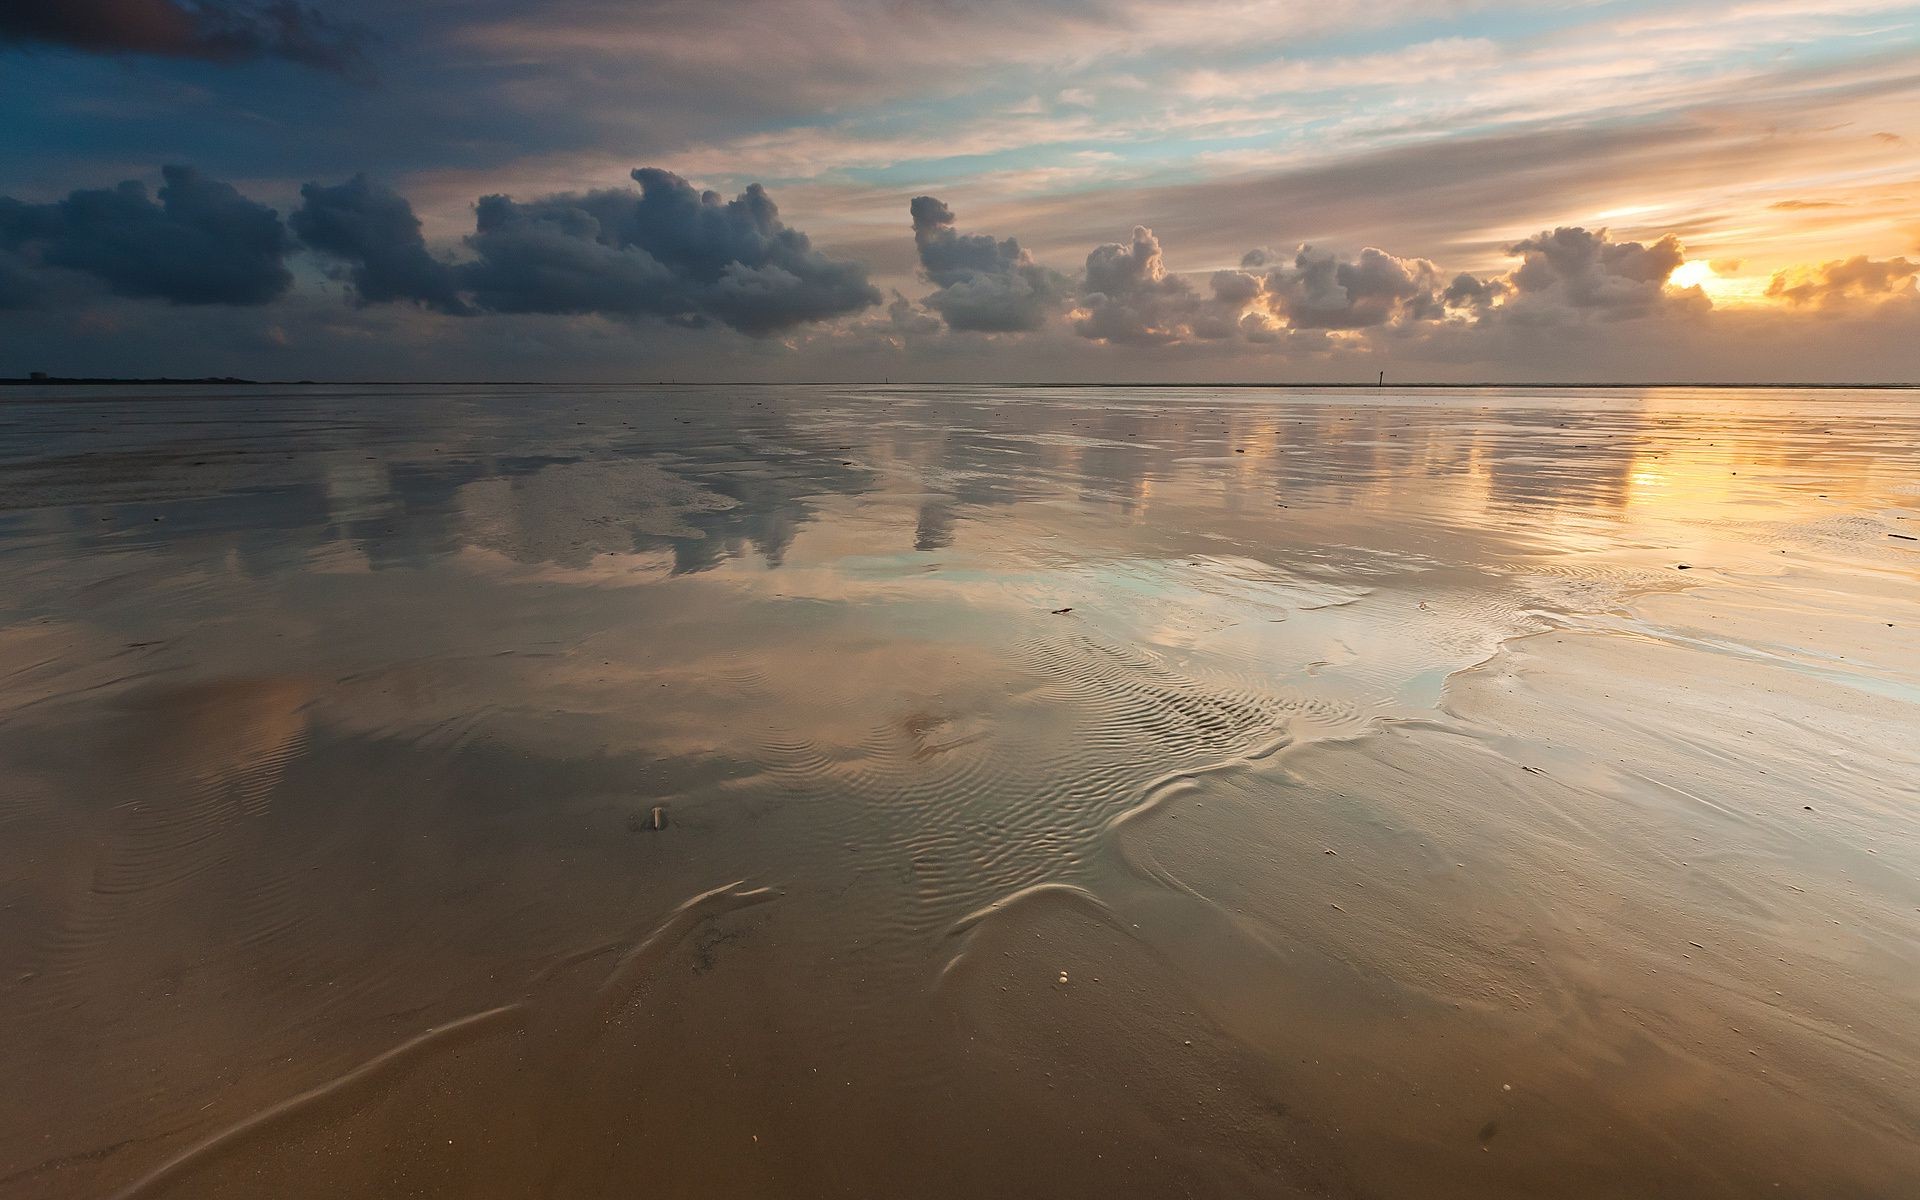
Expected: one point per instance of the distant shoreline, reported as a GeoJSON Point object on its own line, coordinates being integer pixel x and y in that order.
{"type": "Point", "coordinates": [233, 381]}
{"type": "Point", "coordinates": [81, 380]}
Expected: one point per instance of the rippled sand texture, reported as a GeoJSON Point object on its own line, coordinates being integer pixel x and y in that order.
{"type": "Point", "coordinates": [959, 792]}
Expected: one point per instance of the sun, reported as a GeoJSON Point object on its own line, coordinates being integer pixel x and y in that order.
{"type": "Point", "coordinates": [1726, 285]}
{"type": "Point", "coordinates": [1697, 272]}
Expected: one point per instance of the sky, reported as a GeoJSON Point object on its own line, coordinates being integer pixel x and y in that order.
{"type": "Point", "coordinates": [1011, 190]}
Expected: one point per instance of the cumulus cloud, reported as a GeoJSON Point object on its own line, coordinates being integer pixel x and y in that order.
{"type": "Point", "coordinates": [1570, 274]}
{"type": "Point", "coordinates": [1847, 282]}
{"type": "Point", "coordinates": [687, 257]}
{"type": "Point", "coordinates": [1129, 296]}
{"type": "Point", "coordinates": [986, 286]}
{"type": "Point", "coordinates": [1321, 290]}
{"type": "Point", "coordinates": [1473, 295]}
{"type": "Point", "coordinates": [682, 255]}
{"type": "Point", "coordinates": [1584, 271]}
{"type": "Point", "coordinates": [219, 30]}
{"type": "Point", "coordinates": [906, 317]}
{"type": "Point", "coordinates": [373, 229]}
{"type": "Point", "coordinates": [202, 243]}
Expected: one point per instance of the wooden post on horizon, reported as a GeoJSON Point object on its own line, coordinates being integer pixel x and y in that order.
{"type": "Point", "coordinates": [1383, 379]}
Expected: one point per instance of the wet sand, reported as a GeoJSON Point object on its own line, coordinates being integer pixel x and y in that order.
{"type": "Point", "coordinates": [784, 792]}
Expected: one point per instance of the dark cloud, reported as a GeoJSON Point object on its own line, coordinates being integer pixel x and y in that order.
{"type": "Point", "coordinates": [687, 257]}
{"type": "Point", "coordinates": [1474, 295]}
{"type": "Point", "coordinates": [373, 229]}
{"type": "Point", "coordinates": [18, 287]}
{"type": "Point", "coordinates": [1584, 271]}
{"type": "Point", "coordinates": [675, 253]}
{"type": "Point", "coordinates": [906, 317]}
{"type": "Point", "coordinates": [1846, 282]}
{"type": "Point", "coordinates": [985, 285]}
{"type": "Point", "coordinates": [220, 30]}
{"type": "Point", "coordinates": [22, 226]}
{"type": "Point", "coordinates": [202, 243]}
{"type": "Point", "coordinates": [1321, 290]}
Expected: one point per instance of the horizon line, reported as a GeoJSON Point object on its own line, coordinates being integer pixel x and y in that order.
{"type": "Point", "coordinates": [234, 381]}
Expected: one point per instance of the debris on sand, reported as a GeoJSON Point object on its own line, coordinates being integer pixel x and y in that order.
{"type": "Point", "coordinates": [1061, 612]}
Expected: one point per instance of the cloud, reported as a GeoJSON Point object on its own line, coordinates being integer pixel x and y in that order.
{"type": "Point", "coordinates": [202, 243]}
{"type": "Point", "coordinates": [1473, 295]}
{"type": "Point", "coordinates": [697, 261]}
{"type": "Point", "coordinates": [685, 256]}
{"type": "Point", "coordinates": [19, 288]}
{"type": "Point", "coordinates": [1320, 290]}
{"type": "Point", "coordinates": [1846, 282]}
{"type": "Point", "coordinates": [1129, 296]}
{"type": "Point", "coordinates": [905, 317]}
{"type": "Point", "coordinates": [1567, 275]}
{"type": "Point", "coordinates": [1572, 270]}
{"type": "Point", "coordinates": [219, 30]}
{"type": "Point", "coordinates": [373, 228]}
{"type": "Point", "coordinates": [984, 285]}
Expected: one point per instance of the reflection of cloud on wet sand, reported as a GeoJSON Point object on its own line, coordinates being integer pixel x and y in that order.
{"type": "Point", "coordinates": [569, 512]}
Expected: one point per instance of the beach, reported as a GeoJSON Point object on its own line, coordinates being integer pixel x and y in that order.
{"type": "Point", "coordinates": [959, 791]}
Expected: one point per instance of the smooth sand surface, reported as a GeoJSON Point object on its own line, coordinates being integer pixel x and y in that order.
{"type": "Point", "coordinates": [788, 792]}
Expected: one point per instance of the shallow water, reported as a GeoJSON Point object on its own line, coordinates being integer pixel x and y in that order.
{"type": "Point", "coordinates": [1064, 791]}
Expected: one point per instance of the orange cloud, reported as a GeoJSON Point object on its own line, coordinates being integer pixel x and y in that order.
{"type": "Point", "coordinates": [1847, 281]}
